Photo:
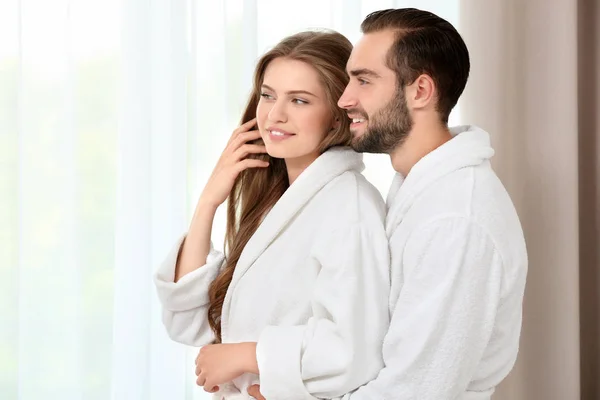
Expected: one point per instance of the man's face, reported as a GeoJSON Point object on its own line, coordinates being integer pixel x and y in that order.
{"type": "Point", "coordinates": [376, 105]}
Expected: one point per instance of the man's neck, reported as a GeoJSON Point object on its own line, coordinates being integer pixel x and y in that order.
{"type": "Point", "coordinates": [422, 140]}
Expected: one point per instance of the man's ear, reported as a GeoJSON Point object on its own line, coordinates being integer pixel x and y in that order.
{"type": "Point", "coordinates": [421, 93]}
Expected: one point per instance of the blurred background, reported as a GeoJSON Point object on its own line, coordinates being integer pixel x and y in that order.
{"type": "Point", "coordinates": [113, 113]}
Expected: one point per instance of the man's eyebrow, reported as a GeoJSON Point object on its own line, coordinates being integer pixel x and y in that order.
{"type": "Point", "coordinates": [364, 72]}
{"type": "Point", "coordinates": [291, 92]}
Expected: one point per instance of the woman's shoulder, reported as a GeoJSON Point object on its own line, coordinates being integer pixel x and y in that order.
{"type": "Point", "coordinates": [354, 199]}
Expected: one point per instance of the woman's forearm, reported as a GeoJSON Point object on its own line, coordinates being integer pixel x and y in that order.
{"type": "Point", "coordinates": [249, 357]}
{"type": "Point", "coordinates": [196, 246]}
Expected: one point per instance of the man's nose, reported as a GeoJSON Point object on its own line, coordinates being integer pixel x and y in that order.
{"type": "Point", "coordinates": [347, 100]}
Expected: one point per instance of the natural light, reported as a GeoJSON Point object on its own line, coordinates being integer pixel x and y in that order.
{"type": "Point", "coordinates": [112, 115]}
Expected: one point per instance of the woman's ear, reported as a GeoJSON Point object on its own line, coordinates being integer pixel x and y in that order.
{"type": "Point", "coordinates": [336, 123]}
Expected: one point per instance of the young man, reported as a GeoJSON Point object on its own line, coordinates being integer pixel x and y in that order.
{"type": "Point", "coordinates": [459, 260]}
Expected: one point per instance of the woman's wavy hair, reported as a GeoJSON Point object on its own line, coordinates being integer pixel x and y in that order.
{"type": "Point", "coordinates": [256, 190]}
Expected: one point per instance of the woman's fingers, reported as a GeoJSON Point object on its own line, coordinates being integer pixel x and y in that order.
{"type": "Point", "coordinates": [201, 380]}
{"type": "Point", "coordinates": [246, 126]}
{"type": "Point", "coordinates": [213, 390]}
{"type": "Point", "coordinates": [249, 163]}
{"type": "Point", "coordinates": [243, 138]}
{"type": "Point", "coordinates": [246, 149]}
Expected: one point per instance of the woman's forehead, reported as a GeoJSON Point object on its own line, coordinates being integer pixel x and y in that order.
{"type": "Point", "coordinates": [288, 75]}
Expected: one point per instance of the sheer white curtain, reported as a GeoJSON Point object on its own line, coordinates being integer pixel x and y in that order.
{"type": "Point", "coordinates": [112, 114]}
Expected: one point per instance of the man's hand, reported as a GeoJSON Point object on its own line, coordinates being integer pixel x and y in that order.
{"type": "Point", "coordinates": [221, 363]}
{"type": "Point", "coordinates": [254, 391]}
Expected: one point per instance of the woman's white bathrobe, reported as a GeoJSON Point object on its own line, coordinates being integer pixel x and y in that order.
{"type": "Point", "coordinates": [311, 287]}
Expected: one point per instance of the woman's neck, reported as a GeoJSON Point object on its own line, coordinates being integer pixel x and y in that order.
{"type": "Point", "coordinates": [295, 166]}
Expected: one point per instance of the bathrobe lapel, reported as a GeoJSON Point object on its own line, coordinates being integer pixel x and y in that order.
{"type": "Point", "coordinates": [325, 168]}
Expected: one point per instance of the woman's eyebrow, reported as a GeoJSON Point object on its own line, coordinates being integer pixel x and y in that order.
{"type": "Point", "coordinates": [291, 91]}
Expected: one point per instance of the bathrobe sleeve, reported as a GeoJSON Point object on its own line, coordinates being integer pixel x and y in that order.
{"type": "Point", "coordinates": [185, 303]}
{"type": "Point", "coordinates": [339, 348]}
{"type": "Point", "coordinates": [444, 314]}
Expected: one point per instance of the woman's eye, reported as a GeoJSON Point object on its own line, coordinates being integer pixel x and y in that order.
{"type": "Point", "coordinates": [266, 96]}
{"type": "Point", "coordinates": [299, 101]}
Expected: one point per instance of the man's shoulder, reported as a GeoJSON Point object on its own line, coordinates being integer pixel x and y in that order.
{"type": "Point", "coordinates": [481, 202]}
{"type": "Point", "coordinates": [473, 194]}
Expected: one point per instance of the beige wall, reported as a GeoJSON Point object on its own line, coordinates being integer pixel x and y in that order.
{"type": "Point", "coordinates": [530, 61]}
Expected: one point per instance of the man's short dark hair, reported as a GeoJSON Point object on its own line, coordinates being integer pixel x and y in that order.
{"type": "Point", "coordinates": [424, 44]}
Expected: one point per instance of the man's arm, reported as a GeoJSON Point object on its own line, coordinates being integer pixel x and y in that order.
{"type": "Point", "coordinates": [444, 315]}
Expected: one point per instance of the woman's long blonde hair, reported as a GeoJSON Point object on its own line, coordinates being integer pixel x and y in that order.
{"type": "Point", "coordinates": [256, 190]}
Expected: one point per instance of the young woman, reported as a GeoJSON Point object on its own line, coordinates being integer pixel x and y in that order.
{"type": "Point", "coordinates": [299, 303]}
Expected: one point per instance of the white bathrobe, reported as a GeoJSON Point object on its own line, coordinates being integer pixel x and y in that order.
{"type": "Point", "coordinates": [311, 287]}
{"type": "Point", "coordinates": [459, 265]}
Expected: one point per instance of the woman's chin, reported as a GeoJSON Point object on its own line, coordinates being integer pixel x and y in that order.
{"type": "Point", "coordinates": [277, 153]}
{"type": "Point", "coordinates": [289, 153]}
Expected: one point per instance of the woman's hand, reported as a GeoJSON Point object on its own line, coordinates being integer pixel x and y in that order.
{"type": "Point", "coordinates": [232, 162]}
{"type": "Point", "coordinates": [254, 391]}
{"type": "Point", "coordinates": [221, 363]}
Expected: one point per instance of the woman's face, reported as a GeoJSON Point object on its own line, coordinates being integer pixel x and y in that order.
{"type": "Point", "coordinates": [293, 114]}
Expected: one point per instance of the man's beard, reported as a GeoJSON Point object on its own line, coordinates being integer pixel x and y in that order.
{"type": "Point", "coordinates": [387, 129]}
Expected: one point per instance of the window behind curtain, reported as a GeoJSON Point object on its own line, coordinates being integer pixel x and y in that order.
{"type": "Point", "coordinates": [112, 115]}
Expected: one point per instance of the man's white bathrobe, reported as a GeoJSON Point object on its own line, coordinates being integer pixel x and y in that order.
{"type": "Point", "coordinates": [459, 265]}
{"type": "Point", "coordinates": [311, 287]}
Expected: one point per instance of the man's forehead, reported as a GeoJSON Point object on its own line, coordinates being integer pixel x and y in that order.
{"type": "Point", "coordinates": [371, 50]}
